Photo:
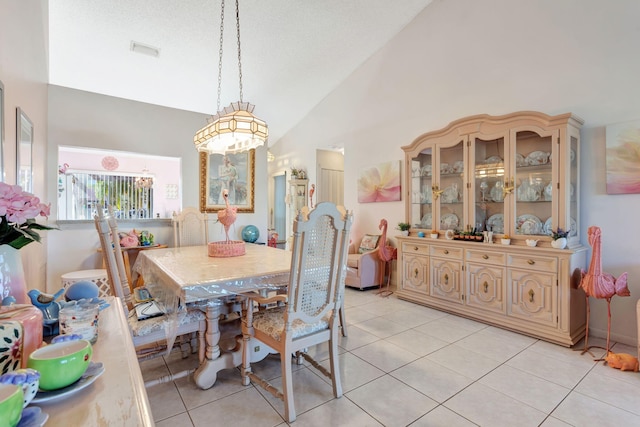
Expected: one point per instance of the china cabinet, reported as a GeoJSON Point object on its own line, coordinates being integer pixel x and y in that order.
{"type": "Point", "coordinates": [511, 176]}
{"type": "Point", "coordinates": [516, 174]}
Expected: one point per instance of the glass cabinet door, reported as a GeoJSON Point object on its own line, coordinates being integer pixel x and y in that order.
{"type": "Point", "coordinates": [488, 180]}
{"type": "Point", "coordinates": [533, 185]}
{"type": "Point", "coordinates": [573, 190]}
{"type": "Point", "coordinates": [421, 193]}
{"type": "Point", "coordinates": [448, 187]}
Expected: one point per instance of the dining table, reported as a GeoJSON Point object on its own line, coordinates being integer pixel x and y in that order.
{"type": "Point", "coordinates": [184, 276]}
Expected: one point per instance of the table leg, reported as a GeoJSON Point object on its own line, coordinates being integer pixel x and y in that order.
{"type": "Point", "coordinates": [214, 360]}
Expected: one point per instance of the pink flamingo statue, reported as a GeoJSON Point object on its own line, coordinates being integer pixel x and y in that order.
{"type": "Point", "coordinates": [311, 191]}
{"type": "Point", "coordinates": [597, 284]}
{"type": "Point", "coordinates": [227, 216]}
{"type": "Point", "coordinates": [386, 254]}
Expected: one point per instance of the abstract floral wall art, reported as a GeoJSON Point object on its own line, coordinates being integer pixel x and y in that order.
{"type": "Point", "coordinates": [380, 183]}
{"type": "Point", "coordinates": [623, 158]}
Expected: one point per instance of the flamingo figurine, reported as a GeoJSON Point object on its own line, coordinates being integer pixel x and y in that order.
{"type": "Point", "coordinates": [386, 254]}
{"type": "Point", "coordinates": [227, 216]}
{"type": "Point", "coordinates": [597, 284]}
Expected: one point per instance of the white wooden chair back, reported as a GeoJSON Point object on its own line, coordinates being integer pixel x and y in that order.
{"type": "Point", "coordinates": [107, 228]}
{"type": "Point", "coordinates": [190, 228]}
{"type": "Point", "coordinates": [316, 284]}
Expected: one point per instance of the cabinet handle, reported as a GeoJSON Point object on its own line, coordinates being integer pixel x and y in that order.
{"type": "Point", "coordinates": [435, 190]}
{"type": "Point", "coordinates": [446, 279]}
{"type": "Point", "coordinates": [531, 295]}
{"type": "Point", "coordinates": [415, 248]}
{"type": "Point", "coordinates": [531, 262]}
{"type": "Point", "coordinates": [506, 188]}
{"type": "Point", "coordinates": [415, 273]}
{"type": "Point", "coordinates": [446, 252]}
{"type": "Point", "coordinates": [485, 256]}
{"type": "Point", "coordinates": [485, 285]}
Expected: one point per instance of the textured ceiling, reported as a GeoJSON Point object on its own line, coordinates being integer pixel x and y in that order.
{"type": "Point", "coordinates": [294, 52]}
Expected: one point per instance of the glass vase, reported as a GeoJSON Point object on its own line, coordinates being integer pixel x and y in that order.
{"type": "Point", "coordinates": [12, 281]}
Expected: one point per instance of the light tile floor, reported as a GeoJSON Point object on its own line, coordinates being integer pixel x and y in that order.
{"type": "Point", "coordinates": [405, 364]}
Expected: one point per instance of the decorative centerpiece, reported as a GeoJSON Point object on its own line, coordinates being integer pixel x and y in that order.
{"type": "Point", "coordinates": [18, 227]}
{"type": "Point", "coordinates": [505, 240]}
{"type": "Point", "coordinates": [559, 237]}
{"type": "Point", "coordinates": [227, 248]}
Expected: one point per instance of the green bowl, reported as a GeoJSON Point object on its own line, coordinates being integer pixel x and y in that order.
{"type": "Point", "coordinates": [10, 404]}
{"type": "Point", "coordinates": [61, 364]}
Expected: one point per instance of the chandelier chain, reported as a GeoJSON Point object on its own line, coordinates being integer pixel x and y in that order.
{"type": "Point", "coordinates": [239, 52]}
{"type": "Point", "coordinates": [220, 55]}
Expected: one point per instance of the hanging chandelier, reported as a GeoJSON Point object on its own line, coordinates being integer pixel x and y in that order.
{"type": "Point", "coordinates": [145, 181]}
{"type": "Point", "coordinates": [233, 128]}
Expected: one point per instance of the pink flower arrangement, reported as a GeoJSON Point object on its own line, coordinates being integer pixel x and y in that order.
{"type": "Point", "coordinates": [18, 210]}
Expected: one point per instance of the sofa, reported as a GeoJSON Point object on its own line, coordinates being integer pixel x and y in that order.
{"type": "Point", "coordinates": [365, 269]}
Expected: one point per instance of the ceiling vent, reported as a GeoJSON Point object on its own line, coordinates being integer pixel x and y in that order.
{"type": "Point", "coordinates": [145, 49]}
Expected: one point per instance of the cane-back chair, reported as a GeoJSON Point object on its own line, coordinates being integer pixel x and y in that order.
{"type": "Point", "coordinates": [312, 303]}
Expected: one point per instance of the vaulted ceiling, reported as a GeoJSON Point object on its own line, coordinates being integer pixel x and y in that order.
{"type": "Point", "coordinates": [294, 52]}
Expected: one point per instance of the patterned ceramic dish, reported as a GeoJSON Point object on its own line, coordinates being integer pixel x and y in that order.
{"type": "Point", "coordinates": [425, 222]}
{"type": "Point", "coordinates": [538, 158]}
{"type": "Point", "coordinates": [449, 221]}
{"type": "Point", "coordinates": [496, 222]}
{"type": "Point", "coordinates": [528, 224]}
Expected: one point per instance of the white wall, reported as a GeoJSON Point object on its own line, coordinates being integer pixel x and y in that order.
{"type": "Point", "coordinates": [465, 57]}
{"type": "Point", "coordinates": [23, 70]}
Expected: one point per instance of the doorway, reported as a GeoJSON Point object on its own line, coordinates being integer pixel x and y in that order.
{"type": "Point", "coordinates": [279, 220]}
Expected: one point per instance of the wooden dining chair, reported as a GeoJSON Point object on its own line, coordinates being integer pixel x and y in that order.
{"type": "Point", "coordinates": [314, 297]}
{"type": "Point", "coordinates": [190, 227]}
{"type": "Point", "coordinates": [147, 333]}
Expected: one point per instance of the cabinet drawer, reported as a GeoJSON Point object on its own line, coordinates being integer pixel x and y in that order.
{"type": "Point", "coordinates": [415, 248]}
{"type": "Point", "coordinates": [446, 252]}
{"type": "Point", "coordinates": [540, 263]}
{"type": "Point", "coordinates": [487, 257]}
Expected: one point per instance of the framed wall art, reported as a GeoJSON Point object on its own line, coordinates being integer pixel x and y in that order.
{"type": "Point", "coordinates": [231, 171]}
{"type": "Point", "coordinates": [379, 183]}
{"type": "Point", "coordinates": [623, 158]}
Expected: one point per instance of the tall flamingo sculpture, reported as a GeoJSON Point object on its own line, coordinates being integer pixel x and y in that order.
{"type": "Point", "coordinates": [597, 284]}
{"type": "Point", "coordinates": [227, 216]}
{"type": "Point", "coordinates": [386, 254]}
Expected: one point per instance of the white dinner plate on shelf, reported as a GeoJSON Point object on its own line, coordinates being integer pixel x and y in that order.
{"type": "Point", "coordinates": [449, 221]}
{"type": "Point", "coordinates": [547, 228]}
{"type": "Point", "coordinates": [496, 222]}
{"type": "Point", "coordinates": [537, 158]}
{"type": "Point", "coordinates": [92, 373]}
{"type": "Point", "coordinates": [425, 222]}
{"type": "Point", "coordinates": [528, 224]}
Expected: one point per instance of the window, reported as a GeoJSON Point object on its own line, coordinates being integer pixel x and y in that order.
{"type": "Point", "coordinates": [86, 191]}
{"type": "Point", "coordinates": [136, 186]}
